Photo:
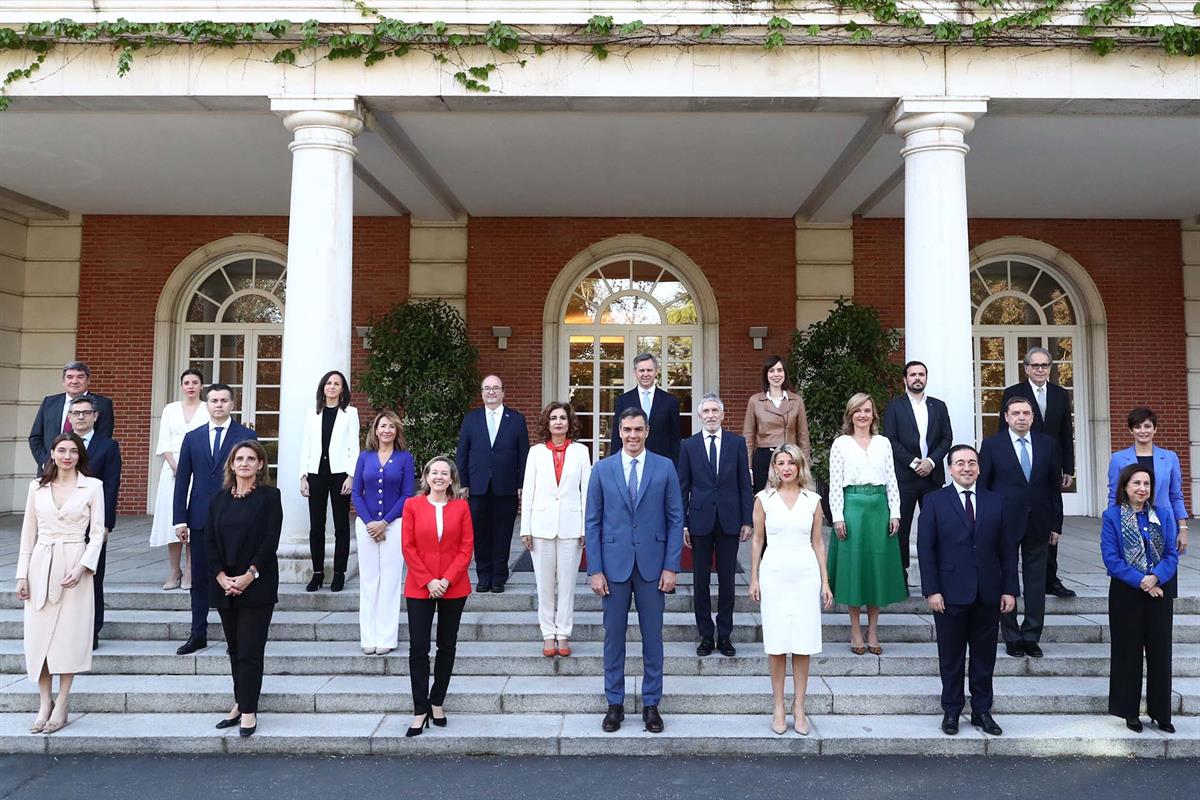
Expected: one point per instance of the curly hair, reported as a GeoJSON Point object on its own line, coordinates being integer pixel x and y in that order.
{"type": "Point", "coordinates": [543, 426]}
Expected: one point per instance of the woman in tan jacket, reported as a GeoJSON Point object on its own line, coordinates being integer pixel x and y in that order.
{"type": "Point", "coordinates": [774, 416]}
{"type": "Point", "coordinates": [54, 575]}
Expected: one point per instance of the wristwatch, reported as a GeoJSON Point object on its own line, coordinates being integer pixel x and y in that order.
{"type": "Point", "coordinates": [253, 572]}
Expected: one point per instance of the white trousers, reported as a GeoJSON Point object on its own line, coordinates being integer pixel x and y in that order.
{"type": "Point", "coordinates": [555, 567]}
{"type": "Point", "coordinates": [381, 586]}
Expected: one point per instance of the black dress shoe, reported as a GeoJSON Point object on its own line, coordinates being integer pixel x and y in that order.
{"type": "Point", "coordinates": [1165, 727]}
{"type": "Point", "coordinates": [338, 583]}
{"type": "Point", "coordinates": [247, 732]}
{"type": "Point", "coordinates": [1033, 650]}
{"type": "Point", "coordinates": [483, 586]}
{"type": "Point", "coordinates": [652, 719]}
{"type": "Point", "coordinates": [95, 640]}
{"type": "Point", "coordinates": [1015, 649]}
{"type": "Point", "coordinates": [497, 588]}
{"type": "Point", "coordinates": [985, 723]}
{"type": "Point", "coordinates": [1134, 724]}
{"type": "Point", "coordinates": [614, 718]}
{"type": "Point", "coordinates": [726, 648]}
{"type": "Point", "coordinates": [191, 645]}
{"type": "Point", "coordinates": [228, 723]}
{"type": "Point", "coordinates": [705, 647]}
{"type": "Point", "coordinates": [1058, 590]}
{"type": "Point", "coordinates": [950, 724]}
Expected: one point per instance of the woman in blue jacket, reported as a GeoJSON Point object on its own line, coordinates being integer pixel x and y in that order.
{"type": "Point", "coordinates": [1163, 466]}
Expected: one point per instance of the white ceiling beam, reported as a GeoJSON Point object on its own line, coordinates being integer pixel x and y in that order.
{"type": "Point", "coordinates": [882, 191]}
{"type": "Point", "coordinates": [29, 207]}
{"type": "Point", "coordinates": [849, 159]}
{"type": "Point", "coordinates": [399, 142]}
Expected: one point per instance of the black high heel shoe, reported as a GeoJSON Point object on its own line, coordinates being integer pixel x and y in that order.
{"type": "Point", "coordinates": [339, 581]}
{"type": "Point", "coordinates": [1134, 724]}
{"type": "Point", "coordinates": [1165, 727]}
{"type": "Point", "coordinates": [417, 731]}
{"type": "Point", "coordinates": [439, 721]}
{"type": "Point", "coordinates": [229, 722]}
{"type": "Point", "coordinates": [315, 582]}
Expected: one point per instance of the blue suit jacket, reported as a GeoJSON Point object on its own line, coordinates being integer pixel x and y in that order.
{"type": "Point", "coordinates": [1168, 480]}
{"type": "Point", "coordinates": [1033, 508]}
{"type": "Point", "coordinates": [707, 498]}
{"type": "Point", "coordinates": [1113, 552]}
{"type": "Point", "coordinates": [620, 533]}
{"type": "Point", "coordinates": [205, 474]}
{"type": "Point", "coordinates": [500, 466]}
{"type": "Point", "coordinates": [961, 563]}
{"type": "Point", "coordinates": [104, 462]}
{"type": "Point", "coordinates": [664, 423]}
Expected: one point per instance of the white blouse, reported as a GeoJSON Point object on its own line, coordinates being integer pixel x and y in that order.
{"type": "Point", "coordinates": [850, 465]}
{"type": "Point", "coordinates": [173, 427]}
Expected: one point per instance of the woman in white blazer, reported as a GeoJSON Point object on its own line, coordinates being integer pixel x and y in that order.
{"type": "Point", "coordinates": [552, 507]}
{"type": "Point", "coordinates": [328, 455]}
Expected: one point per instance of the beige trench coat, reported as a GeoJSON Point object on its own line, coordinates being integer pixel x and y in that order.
{"type": "Point", "coordinates": [59, 621]}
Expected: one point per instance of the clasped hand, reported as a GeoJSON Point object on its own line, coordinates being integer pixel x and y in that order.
{"type": "Point", "coordinates": [1150, 586]}
{"type": "Point", "coordinates": [377, 530]}
{"type": "Point", "coordinates": [233, 587]}
{"type": "Point", "coordinates": [437, 588]}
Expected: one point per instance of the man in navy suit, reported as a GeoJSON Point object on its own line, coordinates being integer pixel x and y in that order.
{"type": "Point", "coordinates": [918, 426]}
{"type": "Point", "coordinates": [1025, 468]}
{"type": "Point", "coordinates": [714, 481]}
{"type": "Point", "coordinates": [52, 419]}
{"type": "Point", "coordinates": [661, 410]}
{"type": "Point", "coordinates": [1051, 416]}
{"type": "Point", "coordinates": [968, 557]}
{"type": "Point", "coordinates": [634, 532]}
{"type": "Point", "coordinates": [492, 446]}
{"type": "Point", "coordinates": [202, 467]}
{"type": "Point", "coordinates": [104, 462]}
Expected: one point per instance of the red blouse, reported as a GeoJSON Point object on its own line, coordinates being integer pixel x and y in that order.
{"type": "Point", "coordinates": [426, 557]}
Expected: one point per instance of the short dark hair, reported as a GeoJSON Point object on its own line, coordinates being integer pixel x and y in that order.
{"type": "Point", "coordinates": [77, 366]}
{"type": "Point", "coordinates": [220, 387]}
{"type": "Point", "coordinates": [957, 447]}
{"type": "Point", "coordinates": [767, 365]}
{"type": "Point", "coordinates": [1017, 398]}
{"type": "Point", "coordinates": [343, 399]}
{"type": "Point", "coordinates": [920, 364]}
{"type": "Point", "coordinates": [191, 371]}
{"type": "Point", "coordinates": [1128, 472]}
{"type": "Point", "coordinates": [544, 420]}
{"type": "Point", "coordinates": [1139, 415]}
{"type": "Point", "coordinates": [630, 413]}
{"type": "Point", "coordinates": [86, 397]}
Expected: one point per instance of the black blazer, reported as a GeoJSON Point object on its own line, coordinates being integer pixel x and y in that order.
{"type": "Point", "coordinates": [707, 498]}
{"type": "Point", "coordinates": [900, 428]}
{"type": "Point", "coordinates": [962, 562]}
{"type": "Point", "coordinates": [664, 423]}
{"type": "Point", "coordinates": [240, 533]}
{"type": "Point", "coordinates": [1057, 424]}
{"type": "Point", "coordinates": [499, 466]}
{"type": "Point", "coordinates": [205, 474]}
{"type": "Point", "coordinates": [1032, 508]}
{"type": "Point", "coordinates": [104, 462]}
{"type": "Point", "coordinates": [48, 423]}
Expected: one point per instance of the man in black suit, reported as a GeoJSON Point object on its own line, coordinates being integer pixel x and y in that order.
{"type": "Point", "coordinates": [968, 559]}
{"type": "Point", "coordinates": [52, 419]}
{"type": "Point", "coordinates": [918, 426]}
{"type": "Point", "coordinates": [1051, 416]}
{"type": "Point", "coordinates": [493, 444]}
{"type": "Point", "coordinates": [1026, 470]}
{"type": "Point", "coordinates": [661, 409]}
{"type": "Point", "coordinates": [714, 480]}
{"type": "Point", "coordinates": [104, 462]}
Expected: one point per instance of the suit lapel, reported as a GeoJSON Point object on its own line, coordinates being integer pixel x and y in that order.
{"type": "Point", "coordinates": [618, 477]}
{"type": "Point", "coordinates": [1011, 450]}
{"type": "Point", "coordinates": [960, 510]}
{"type": "Point", "coordinates": [643, 478]}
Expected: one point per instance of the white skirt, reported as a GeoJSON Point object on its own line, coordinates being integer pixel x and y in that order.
{"type": "Point", "coordinates": [163, 531]}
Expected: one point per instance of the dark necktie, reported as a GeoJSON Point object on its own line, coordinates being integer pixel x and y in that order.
{"type": "Point", "coordinates": [712, 452]}
{"type": "Point", "coordinates": [970, 507]}
{"type": "Point", "coordinates": [217, 444]}
{"type": "Point", "coordinates": [67, 427]}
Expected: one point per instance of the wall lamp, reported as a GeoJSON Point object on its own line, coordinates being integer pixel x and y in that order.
{"type": "Point", "coordinates": [501, 332]}
{"type": "Point", "coordinates": [758, 334]}
{"type": "Point", "coordinates": [364, 333]}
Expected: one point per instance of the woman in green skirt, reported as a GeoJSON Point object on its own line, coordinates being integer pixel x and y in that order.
{"type": "Point", "coordinates": [864, 557]}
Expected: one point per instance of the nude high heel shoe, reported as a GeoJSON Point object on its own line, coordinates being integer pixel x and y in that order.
{"type": "Point", "coordinates": [39, 724]}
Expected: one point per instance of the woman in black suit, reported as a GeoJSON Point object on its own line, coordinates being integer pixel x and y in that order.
{"type": "Point", "coordinates": [243, 534]}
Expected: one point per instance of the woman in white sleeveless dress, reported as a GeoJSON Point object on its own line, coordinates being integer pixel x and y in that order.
{"type": "Point", "coordinates": [789, 579]}
{"type": "Point", "coordinates": [177, 419]}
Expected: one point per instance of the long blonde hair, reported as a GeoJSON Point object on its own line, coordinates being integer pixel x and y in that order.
{"type": "Point", "coordinates": [848, 418]}
{"type": "Point", "coordinates": [803, 469]}
{"type": "Point", "coordinates": [455, 490]}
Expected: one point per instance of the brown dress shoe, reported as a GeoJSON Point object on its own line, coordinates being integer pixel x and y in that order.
{"type": "Point", "coordinates": [614, 718]}
{"type": "Point", "coordinates": [653, 720]}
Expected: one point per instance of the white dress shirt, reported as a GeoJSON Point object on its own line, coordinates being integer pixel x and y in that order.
{"type": "Point", "coordinates": [962, 495]}
{"type": "Point", "coordinates": [62, 423]}
{"type": "Point", "coordinates": [87, 440]}
{"type": "Point", "coordinates": [716, 437]}
{"type": "Point", "coordinates": [1016, 445]}
{"type": "Point", "coordinates": [437, 510]}
{"type": "Point", "coordinates": [1039, 396]}
{"type": "Point", "coordinates": [493, 419]}
{"type": "Point", "coordinates": [627, 460]}
{"type": "Point", "coordinates": [212, 434]}
{"type": "Point", "coordinates": [921, 412]}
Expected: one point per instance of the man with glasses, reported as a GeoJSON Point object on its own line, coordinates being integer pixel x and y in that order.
{"type": "Point", "coordinates": [1051, 416]}
{"type": "Point", "coordinates": [52, 419]}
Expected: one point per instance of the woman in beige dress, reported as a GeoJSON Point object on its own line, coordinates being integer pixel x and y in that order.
{"type": "Point", "coordinates": [54, 575]}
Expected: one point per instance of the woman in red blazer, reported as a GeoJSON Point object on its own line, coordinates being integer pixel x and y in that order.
{"type": "Point", "coordinates": [437, 540]}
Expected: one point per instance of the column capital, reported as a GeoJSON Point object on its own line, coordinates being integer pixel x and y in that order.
{"type": "Point", "coordinates": [945, 121]}
{"type": "Point", "coordinates": [321, 121]}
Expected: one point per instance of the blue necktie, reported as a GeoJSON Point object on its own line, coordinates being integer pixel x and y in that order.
{"type": "Point", "coordinates": [633, 481]}
{"type": "Point", "coordinates": [1026, 463]}
{"type": "Point", "coordinates": [217, 444]}
{"type": "Point", "coordinates": [712, 452]}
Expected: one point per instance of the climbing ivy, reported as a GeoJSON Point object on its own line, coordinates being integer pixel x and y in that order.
{"type": "Point", "coordinates": [378, 37]}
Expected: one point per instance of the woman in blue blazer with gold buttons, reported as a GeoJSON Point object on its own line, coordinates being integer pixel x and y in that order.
{"type": "Point", "coordinates": [1163, 466]}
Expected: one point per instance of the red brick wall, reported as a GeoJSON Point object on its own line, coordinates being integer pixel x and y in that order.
{"type": "Point", "coordinates": [512, 262]}
{"type": "Point", "coordinates": [1137, 265]}
{"type": "Point", "coordinates": [125, 262]}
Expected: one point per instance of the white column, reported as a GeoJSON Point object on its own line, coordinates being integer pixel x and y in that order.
{"type": "Point", "coordinates": [316, 326]}
{"type": "Point", "coordinates": [1191, 324]}
{"type": "Point", "coordinates": [937, 300]}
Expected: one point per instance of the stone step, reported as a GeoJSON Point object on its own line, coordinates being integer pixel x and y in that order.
{"type": "Point", "coordinates": [135, 657]}
{"type": "Point", "coordinates": [567, 694]}
{"type": "Point", "coordinates": [579, 734]}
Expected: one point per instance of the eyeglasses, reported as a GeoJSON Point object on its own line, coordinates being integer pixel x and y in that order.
{"type": "Point", "coordinates": [80, 413]}
{"type": "Point", "coordinates": [493, 388]}
{"type": "Point", "coordinates": [1039, 366]}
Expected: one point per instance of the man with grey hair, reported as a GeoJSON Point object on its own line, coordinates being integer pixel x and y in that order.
{"type": "Point", "coordinates": [1051, 416]}
{"type": "Point", "coordinates": [661, 410]}
{"type": "Point", "coordinates": [52, 419]}
{"type": "Point", "coordinates": [714, 481]}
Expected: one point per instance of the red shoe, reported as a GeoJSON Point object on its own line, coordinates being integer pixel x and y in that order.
{"type": "Point", "coordinates": [548, 648]}
{"type": "Point", "coordinates": [564, 648]}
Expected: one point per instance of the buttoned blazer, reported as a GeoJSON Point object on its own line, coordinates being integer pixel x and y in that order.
{"type": "Point", "coordinates": [104, 462]}
{"type": "Point", "coordinates": [343, 443]}
{"type": "Point", "coordinates": [1168, 479]}
{"type": "Point", "coordinates": [234, 549]}
{"type": "Point", "coordinates": [1033, 507]}
{"type": "Point", "coordinates": [620, 531]}
{"type": "Point", "coordinates": [900, 428]}
{"type": "Point", "coordinates": [664, 423]}
{"type": "Point", "coordinates": [499, 467]}
{"type": "Point", "coordinates": [962, 562]}
{"type": "Point", "coordinates": [204, 474]}
{"type": "Point", "coordinates": [426, 557]}
{"type": "Point", "coordinates": [1057, 423]}
{"type": "Point", "coordinates": [726, 496]}
{"type": "Point", "coordinates": [551, 509]}
{"type": "Point", "coordinates": [768, 426]}
{"type": "Point", "coordinates": [48, 423]}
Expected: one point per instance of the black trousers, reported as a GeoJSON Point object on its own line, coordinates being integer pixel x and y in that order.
{"type": "Point", "coordinates": [198, 554]}
{"type": "Point", "coordinates": [1140, 624]}
{"type": "Point", "coordinates": [759, 466]}
{"type": "Point", "coordinates": [420, 629]}
{"type": "Point", "coordinates": [324, 486]}
{"type": "Point", "coordinates": [98, 588]}
{"type": "Point", "coordinates": [959, 628]}
{"type": "Point", "coordinates": [911, 493]}
{"type": "Point", "coordinates": [1052, 567]}
{"type": "Point", "coordinates": [493, 517]}
{"type": "Point", "coordinates": [1033, 586]}
{"type": "Point", "coordinates": [726, 548]}
{"type": "Point", "coordinates": [246, 642]}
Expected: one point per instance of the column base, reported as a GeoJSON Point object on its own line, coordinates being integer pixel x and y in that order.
{"type": "Point", "coordinates": [295, 561]}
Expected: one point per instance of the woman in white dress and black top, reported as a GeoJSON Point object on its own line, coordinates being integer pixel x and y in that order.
{"type": "Point", "coordinates": [789, 579]}
{"type": "Point", "coordinates": [178, 418]}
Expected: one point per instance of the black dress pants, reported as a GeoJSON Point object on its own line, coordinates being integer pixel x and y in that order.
{"type": "Point", "coordinates": [760, 465]}
{"type": "Point", "coordinates": [958, 628]}
{"type": "Point", "coordinates": [911, 493]}
{"type": "Point", "coordinates": [1052, 567]}
{"type": "Point", "coordinates": [493, 517]}
{"type": "Point", "coordinates": [420, 629]}
{"type": "Point", "coordinates": [198, 555]}
{"type": "Point", "coordinates": [726, 548]}
{"type": "Point", "coordinates": [98, 589]}
{"type": "Point", "coordinates": [1140, 624]}
{"type": "Point", "coordinates": [246, 641]}
{"type": "Point", "coordinates": [1033, 586]}
{"type": "Point", "coordinates": [324, 486]}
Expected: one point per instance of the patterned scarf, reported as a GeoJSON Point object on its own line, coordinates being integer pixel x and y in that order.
{"type": "Point", "coordinates": [559, 453]}
{"type": "Point", "coordinates": [1134, 543]}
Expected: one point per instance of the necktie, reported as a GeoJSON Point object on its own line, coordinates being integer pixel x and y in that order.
{"type": "Point", "coordinates": [712, 452]}
{"type": "Point", "coordinates": [217, 443]}
{"type": "Point", "coordinates": [970, 508]}
{"type": "Point", "coordinates": [646, 403]}
{"type": "Point", "coordinates": [1041, 398]}
{"type": "Point", "coordinates": [633, 481]}
{"type": "Point", "coordinates": [492, 426]}
{"type": "Point", "coordinates": [1026, 462]}
{"type": "Point", "coordinates": [67, 424]}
